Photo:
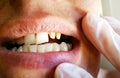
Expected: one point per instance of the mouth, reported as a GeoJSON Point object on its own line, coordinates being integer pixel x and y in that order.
{"type": "Point", "coordinates": [39, 47]}
{"type": "Point", "coordinates": [41, 42]}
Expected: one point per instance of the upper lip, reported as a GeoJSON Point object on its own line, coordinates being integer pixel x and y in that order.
{"type": "Point", "coordinates": [21, 27]}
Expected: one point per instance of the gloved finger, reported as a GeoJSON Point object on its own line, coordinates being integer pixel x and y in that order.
{"type": "Point", "coordinates": [103, 37]}
{"type": "Point", "coordinates": [115, 24]}
{"type": "Point", "coordinates": [67, 70]}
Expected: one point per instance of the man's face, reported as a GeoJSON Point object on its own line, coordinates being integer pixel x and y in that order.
{"type": "Point", "coordinates": [38, 35]}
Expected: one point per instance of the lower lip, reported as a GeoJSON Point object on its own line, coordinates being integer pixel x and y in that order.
{"type": "Point", "coordinates": [37, 60]}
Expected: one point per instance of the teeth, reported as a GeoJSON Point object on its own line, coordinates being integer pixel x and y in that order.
{"type": "Point", "coordinates": [63, 46]}
{"type": "Point", "coordinates": [33, 43]}
{"type": "Point", "coordinates": [52, 35]}
{"type": "Point", "coordinates": [20, 49]}
{"type": "Point", "coordinates": [58, 36]}
{"type": "Point", "coordinates": [45, 47]}
{"type": "Point", "coordinates": [69, 46]}
{"type": "Point", "coordinates": [48, 47]}
{"type": "Point", "coordinates": [38, 38]}
{"type": "Point", "coordinates": [56, 47]}
{"type": "Point", "coordinates": [29, 39]}
{"type": "Point", "coordinates": [42, 37]}
{"type": "Point", "coordinates": [14, 49]}
{"type": "Point", "coordinates": [33, 48]}
{"type": "Point", "coordinates": [41, 48]}
{"type": "Point", "coordinates": [26, 48]}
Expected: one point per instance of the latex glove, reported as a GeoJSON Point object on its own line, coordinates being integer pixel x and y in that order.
{"type": "Point", "coordinates": [67, 70]}
{"type": "Point", "coordinates": [104, 33]}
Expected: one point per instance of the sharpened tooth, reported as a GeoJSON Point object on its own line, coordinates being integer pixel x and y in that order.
{"type": "Point", "coordinates": [56, 47]}
{"type": "Point", "coordinates": [29, 39]}
{"type": "Point", "coordinates": [41, 48]}
{"type": "Point", "coordinates": [42, 37]}
{"type": "Point", "coordinates": [63, 46]}
{"type": "Point", "coordinates": [58, 35]}
{"type": "Point", "coordinates": [33, 48]}
{"type": "Point", "coordinates": [20, 49]}
{"type": "Point", "coordinates": [52, 35]}
{"type": "Point", "coordinates": [26, 48]}
{"type": "Point", "coordinates": [48, 47]}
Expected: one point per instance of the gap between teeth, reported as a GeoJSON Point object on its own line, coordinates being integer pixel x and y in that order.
{"type": "Point", "coordinates": [54, 47]}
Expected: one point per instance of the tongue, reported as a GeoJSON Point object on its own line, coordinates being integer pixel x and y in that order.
{"type": "Point", "coordinates": [67, 70]}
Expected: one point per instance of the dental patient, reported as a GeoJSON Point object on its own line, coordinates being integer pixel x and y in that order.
{"type": "Point", "coordinates": [46, 38]}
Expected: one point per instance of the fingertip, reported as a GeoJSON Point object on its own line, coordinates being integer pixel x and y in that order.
{"type": "Point", "coordinates": [68, 70]}
{"type": "Point", "coordinates": [91, 20]}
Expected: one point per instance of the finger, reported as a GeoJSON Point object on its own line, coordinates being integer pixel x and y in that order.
{"type": "Point", "coordinates": [103, 37]}
{"type": "Point", "coordinates": [108, 74]}
{"type": "Point", "coordinates": [67, 70]}
{"type": "Point", "coordinates": [115, 24]}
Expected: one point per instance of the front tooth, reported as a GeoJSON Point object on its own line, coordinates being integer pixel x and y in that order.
{"type": "Point", "coordinates": [26, 48]}
{"type": "Point", "coordinates": [29, 39]}
{"type": "Point", "coordinates": [41, 48]}
{"type": "Point", "coordinates": [58, 36]}
{"type": "Point", "coordinates": [63, 46]}
{"type": "Point", "coordinates": [48, 47]}
{"type": "Point", "coordinates": [52, 35]}
{"type": "Point", "coordinates": [42, 37]}
{"type": "Point", "coordinates": [33, 48]}
{"type": "Point", "coordinates": [56, 47]}
{"type": "Point", "coordinates": [20, 49]}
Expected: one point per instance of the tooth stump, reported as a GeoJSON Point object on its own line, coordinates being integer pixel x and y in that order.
{"type": "Point", "coordinates": [58, 36]}
{"type": "Point", "coordinates": [52, 35]}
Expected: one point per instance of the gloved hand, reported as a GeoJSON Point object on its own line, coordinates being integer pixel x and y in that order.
{"type": "Point", "coordinates": [67, 70]}
{"type": "Point", "coordinates": [104, 33]}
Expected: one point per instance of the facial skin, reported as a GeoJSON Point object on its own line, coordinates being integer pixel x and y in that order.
{"type": "Point", "coordinates": [21, 17]}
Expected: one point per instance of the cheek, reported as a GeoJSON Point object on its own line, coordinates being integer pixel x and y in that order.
{"type": "Point", "coordinates": [93, 6]}
{"type": "Point", "coordinates": [6, 12]}
{"type": "Point", "coordinates": [2, 3]}
{"type": "Point", "coordinates": [89, 56]}
{"type": "Point", "coordinates": [10, 71]}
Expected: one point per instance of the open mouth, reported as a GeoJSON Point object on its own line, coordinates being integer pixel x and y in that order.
{"type": "Point", "coordinates": [41, 42]}
{"type": "Point", "coordinates": [38, 47]}
{"type": "Point", "coordinates": [41, 51]}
